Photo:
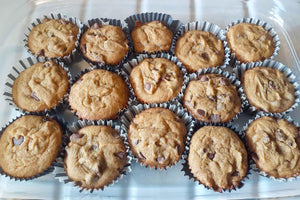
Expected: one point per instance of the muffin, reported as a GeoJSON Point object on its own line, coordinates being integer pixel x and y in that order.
{"type": "Point", "coordinates": [250, 42]}
{"type": "Point", "coordinates": [29, 145]}
{"type": "Point", "coordinates": [40, 87]}
{"type": "Point", "coordinates": [104, 43]}
{"type": "Point", "coordinates": [199, 49]}
{"type": "Point", "coordinates": [156, 80]}
{"type": "Point", "coordinates": [95, 156]}
{"type": "Point", "coordinates": [53, 38]}
{"type": "Point", "coordinates": [157, 137]}
{"type": "Point", "coordinates": [268, 89]}
{"type": "Point", "coordinates": [212, 98]}
{"type": "Point", "coordinates": [151, 37]}
{"type": "Point", "coordinates": [274, 145]}
{"type": "Point", "coordinates": [217, 158]}
{"type": "Point", "coordinates": [98, 94]}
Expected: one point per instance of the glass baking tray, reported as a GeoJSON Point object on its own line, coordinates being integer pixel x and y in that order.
{"type": "Point", "coordinates": [142, 182]}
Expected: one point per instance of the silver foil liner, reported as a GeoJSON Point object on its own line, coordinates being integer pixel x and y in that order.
{"type": "Point", "coordinates": [185, 166]}
{"type": "Point", "coordinates": [50, 169]}
{"type": "Point", "coordinates": [173, 25]}
{"type": "Point", "coordinates": [261, 23]}
{"type": "Point", "coordinates": [59, 171]}
{"type": "Point", "coordinates": [127, 68]}
{"type": "Point", "coordinates": [21, 66]}
{"type": "Point", "coordinates": [241, 69]}
{"type": "Point", "coordinates": [233, 79]}
{"type": "Point", "coordinates": [208, 27]}
{"type": "Point", "coordinates": [176, 108]}
{"type": "Point", "coordinates": [66, 59]}
{"type": "Point", "coordinates": [252, 162]}
{"type": "Point", "coordinates": [114, 22]}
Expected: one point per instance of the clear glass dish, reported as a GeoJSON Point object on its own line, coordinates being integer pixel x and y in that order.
{"type": "Point", "coordinates": [143, 182]}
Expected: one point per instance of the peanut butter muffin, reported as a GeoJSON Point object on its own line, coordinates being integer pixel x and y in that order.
{"type": "Point", "coordinates": [217, 158]}
{"type": "Point", "coordinates": [53, 38]}
{"type": "Point", "coordinates": [199, 49]}
{"type": "Point", "coordinates": [274, 145]}
{"type": "Point", "coordinates": [40, 87]}
{"type": "Point", "coordinates": [95, 157]}
{"type": "Point", "coordinates": [29, 145]}
{"type": "Point", "coordinates": [151, 37]}
{"type": "Point", "coordinates": [250, 42]}
{"type": "Point", "coordinates": [157, 137]}
{"type": "Point", "coordinates": [98, 94]}
{"type": "Point", "coordinates": [104, 43]}
{"type": "Point", "coordinates": [212, 98]}
{"type": "Point", "coordinates": [268, 89]}
{"type": "Point", "coordinates": [156, 80]}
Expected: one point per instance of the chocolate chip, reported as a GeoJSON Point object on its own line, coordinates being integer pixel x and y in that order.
{"type": "Point", "coordinates": [289, 143]}
{"type": "Point", "coordinates": [224, 81]}
{"type": "Point", "coordinates": [280, 135]}
{"type": "Point", "coordinates": [235, 173]}
{"type": "Point", "coordinates": [168, 77]}
{"type": "Point", "coordinates": [46, 119]}
{"type": "Point", "coordinates": [79, 81]}
{"type": "Point", "coordinates": [141, 156]}
{"type": "Point", "coordinates": [41, 52]}
{"type": "Point", "coordinates": [211, 156]}
{"type": "Point", "coordinates": [33, 95]}
{"type": "Point", "coordinates": [272, 85]}
{"type": "Point", "coordinates": [75, 136]}
{"type": "Point", "coordinates": [47, 64]}
{"type": "Point", "coordinates": [155, 69]}
{"type": "Point", "coordinates": [204, 150]}
{"type": "Point", "coordinates": [19, 141]}
{"type": "Point", "coordinates": [204, 56]}
{"type": "Point", "coordinates": [215, 118]}
{"type": "Point", "coordinates": [203, 78]}
{"type": "Point", "coordinates": [177, 147]}
{"type": "Point", "coordinates": [95, 26]}
{"type": "Point", "coordinates": [177, 119]}
{"type": "Point", "coordinates": [83, 48]}
{"type": "Point", "coordinates": [254, 156]}
{"type": "Point", "coordinates": [212, 98]}
{"type": "Point", "coordinates": [122, 155]}
{"type": "Point", "coordinates": [79, 183]}
{"type": "Point", "coordinates": [201, 112]}
{"type": "Point", "coordinates": [136, 142]}
{"type": "Point", "coordinates": [147, 86]}
{"type": "Point", "coordinates": [159, 80]}
{"type": "Point", "coordinates": [160, 159]}
{"type": "Point", "coordinates": [95, 147]}
{"type": "Point", "coordinates": [115, 134]}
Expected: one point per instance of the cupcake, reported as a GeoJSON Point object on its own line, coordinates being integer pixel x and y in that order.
{"type": "Point", "coordinates": [250, 42]}
{"type": "Point", "coordinates": [95, 156]}
{"type": "Point", "coordinates": [156, 80]}
{"type": "Point", "coordinates": [157, 137]}
{"type": "Point", "coordinates": [217, 158]}
{"type": "Point", "coordinates": [151, 37]}
{"type": "Point", "coordinates": [268, 89]}
{"type": "Point", "coordinates": [40, 87]}
{"type": "Point", "coordinates": [274, 146]}
{"type": "Point", "coordinates": [53, 38]}
{"type": "Point", "coordinates": [29, 145]}
{"type": "Point", "coordinates": [98, 94]}
{"type": "Point", "coordinates": [104, 44]}
{"type": "Point", "coordinates": [199, 49]}
{"type": "Point", "coordinates": [212, 98]}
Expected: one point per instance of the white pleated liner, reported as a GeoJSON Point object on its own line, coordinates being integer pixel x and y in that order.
{"type": "Point", "coordinates": [231, 77]}
{"type": "Point", "coordinates": [59, 171]}
{"type": "Point", "coordinates": [213, 29]}
{"type": "Point", "coordinates": [127, 68]}
{"type": "Point", "coordinates": [176, 108]}
{"type": "Point", "coordinates": [66, 59]}
{"type": "Point", "coordinates": [185, 165]}
{"type": "Point", "coordinates": [21, 66]}
{"type": "Point", "coordinates": [241, 69]}
{"type": "Point", "coordinates": [173, 25]}
{"type": "Point", "coordinates": [252, 162]}
{"type": "Point", "coordinates": [114, 22]}
{"type": "Point", "coordinates": [261, 23]}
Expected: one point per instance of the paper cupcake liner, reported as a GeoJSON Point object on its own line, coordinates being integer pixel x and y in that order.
{"type": "Point", "coordinates": [66, 59]}
{"type": "Point", "coordinates": [125, 78]}
{"type": "Point", "coordinates": [241, 69]}
{"type": "Point", "coordinates": [50, 169]}
{"type": "Point", "coordinates": [176, 108]}
{"type": "Point", "coordinates": [261, 23]}
{"type": "Point", "coordinates": [208, 27]}
{"type": "Point", "coordinates": [114, 22]}
{"type": "Point", "coordinates": [127, 68]}
{"type": "Point", "coordinates": [21, 66]}
{"type": "Point", "coordinates": [185, 165]}
{"type": "Point", "coordinates": [233, 79]}
{"type": "Point", "coordinates": [252, 162]}
{"type": "Point", "coordinates": [60, 173]}
{"type": "Point", "coordinates": [173, 25]}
